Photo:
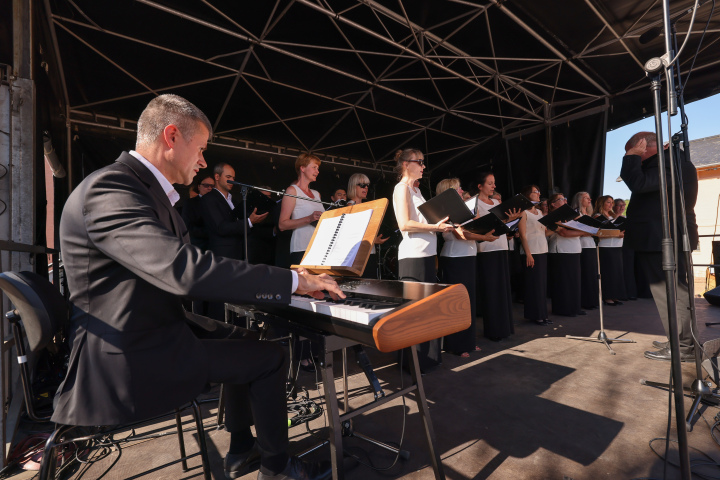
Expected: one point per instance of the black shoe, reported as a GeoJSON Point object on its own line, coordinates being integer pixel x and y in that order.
{"type": "Point", "coordinates": [541, 322]}
{"type": "Point", "coordinates": [613, 304]}
{"type": "Point", "coordinates": [582, 312]}
{"type": "Point", "coordinates": [297, 469]}
{"type": "Point", "coordinates": [661, 345]}
{"type": "Point", "coordinates": [548, 321]}
{"type": "Point", "coordinates": [618, 302]}
{"type": "Point", "coordinates": [664, 354]}
{"type": "Point", "coordinates": [240, 464]}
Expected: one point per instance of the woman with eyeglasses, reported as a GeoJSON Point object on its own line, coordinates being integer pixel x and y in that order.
{"type": "Point", "coordinates": [533, 252]}
{"type": "Point", "coordinates": [493, 267]}
{"type": "Point", "coordinates": [564, 257]}
{"type": "Point", "coordinates": [582, 203]}
{"type": "Point", "coordinates": [611, 259]}
{"type": "Point", "coordinates": [357, 191]}
{"type": "Point", "coordinates": [417, 252]}
{"type": "Point", "coordinates": [458, 265]}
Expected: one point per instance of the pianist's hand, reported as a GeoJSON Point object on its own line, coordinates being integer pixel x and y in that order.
{"type": "Point", "coordinates": [314, 285]}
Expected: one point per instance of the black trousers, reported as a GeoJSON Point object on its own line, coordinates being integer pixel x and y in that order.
{"type": "Point", "coordinates": [461, 270]}
{"type": "Point", "coordinates": [536, 287]}
{"type": "Point", "coordinates": [651, 265]}
{"type": "Point", "coordinates": [422, 269]}
{"type": "Point", "coordinates": [254, 379]}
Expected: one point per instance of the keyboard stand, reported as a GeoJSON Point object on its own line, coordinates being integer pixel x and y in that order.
{"type": "Point", "coordinates": [329, 345]}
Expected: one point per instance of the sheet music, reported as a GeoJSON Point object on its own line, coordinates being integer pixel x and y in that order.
{"type": "Point", "coordinates": [338, 239]}
{"type": "Point", "coordinates": [470, 202]}
{"type": "Point", "coordinates": [580, 226]}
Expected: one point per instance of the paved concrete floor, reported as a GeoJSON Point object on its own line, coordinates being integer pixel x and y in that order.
{"type": "Point", "coordinates": [537, 406]}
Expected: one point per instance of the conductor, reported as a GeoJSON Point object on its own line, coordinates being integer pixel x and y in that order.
{"type": "Point", "coordinates": [640, 171]}
{"type": "Point", "coordinates": [135, 352]}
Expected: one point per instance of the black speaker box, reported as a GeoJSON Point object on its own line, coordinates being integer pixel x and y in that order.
{"type": "Point", "coordinates": [713, 296]}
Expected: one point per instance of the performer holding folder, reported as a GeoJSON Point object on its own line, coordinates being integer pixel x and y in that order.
{"type": "Point", "coordinates": [611, 261]}
{"type": "Point", "coordinates": [582, 203]}
{"type": "Point", "coordinates": [418, 249]}
{"type": "Point", "coordinates": [493, 269]}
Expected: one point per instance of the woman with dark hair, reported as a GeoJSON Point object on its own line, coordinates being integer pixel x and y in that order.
{"type": "Point", "coordinates": [297, 214]}
{"type": "Point", "coordinates": [533, 252]}
{"type": "Point", "coordinates": [611, 259]}
{"type": "Point", "coordinates": [493, 269]}
{"type": "Point", "coordinates": [564, 256]}
{"type": "Point", "coordinates": [582, 203]}
{"type": "Point", "coordinates": [417, 252]}
{"type": "Point", "coordinates": [357, 191]}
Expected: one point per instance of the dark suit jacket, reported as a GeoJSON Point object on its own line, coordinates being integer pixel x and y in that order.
{"type": "Point", "coordinates": [643, 229]}
{"type": "Point", "coordinates": [128, 263]}
{"type": "Point", "coordinates": [193, 216]}
{"type": "Point", "coordinates": [224, 225]}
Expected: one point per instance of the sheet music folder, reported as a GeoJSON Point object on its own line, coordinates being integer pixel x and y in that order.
{"type": "Point", "coordinates": [343, 239]}
{"type": "Point", "coordinates": [448, 204]}
{"type": "Point", "coordinates": [518, 202]}
{"type": "Point", "coordinates": [562, 214]}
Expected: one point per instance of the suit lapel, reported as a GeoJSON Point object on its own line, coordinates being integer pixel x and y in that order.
{"type": "Point", "coordinates": [177, 225]}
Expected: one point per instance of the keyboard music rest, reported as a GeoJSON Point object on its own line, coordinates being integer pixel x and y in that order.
{"type": "Point", "coordinates": [419, 312]}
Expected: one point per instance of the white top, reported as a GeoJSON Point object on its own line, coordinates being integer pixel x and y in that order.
{"type": "Point", "coordinates": [482, 209]}
{"type": "Point", "coordinates": [558, 244]}
{"type": "Point", "coordinates": [587, 242]}
{"type": "Point", "coordinates": [457, 248]}
{"type": "Point", "coordinates": [534, 233]}
{"type": "Point", "coordinates": [415, 244]}
{"type": "Point", "coordinates": [301, 236]}
{"type": "Point", "coordinates": [610, 242]}
{"type": "Point", "coordinates": [167, 187]}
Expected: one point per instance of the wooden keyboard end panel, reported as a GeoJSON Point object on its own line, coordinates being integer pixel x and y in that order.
{"type": "Point", "coordinates": [440, 314]}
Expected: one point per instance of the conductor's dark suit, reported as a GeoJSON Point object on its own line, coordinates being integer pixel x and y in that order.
{"type": "Point", "coordinates": [644, 231]}
{"type": "Point", "coordinates": [224, 225]}
{"type": "Point", "coordinates": [134, 354]}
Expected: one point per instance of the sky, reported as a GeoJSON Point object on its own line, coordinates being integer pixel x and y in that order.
{"type": "Point", "coordinates": [703, 121]}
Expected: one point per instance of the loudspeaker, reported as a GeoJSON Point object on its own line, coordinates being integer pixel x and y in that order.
{"type": "Point", "coordinates": [713, 296]}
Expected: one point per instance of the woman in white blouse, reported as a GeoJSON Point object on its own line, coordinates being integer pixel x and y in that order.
{"type": "Point", "coordinates": [297, 214]}
{"type": "Point", "coordinates": [457, 265]}
{"type": "Point", "coordinates": [493, 269]}
{"type": "Point", "coordinates": [611, 260]}
{"type": "Point", "coordinates": [417, 251]}
{"type": "Point", "coordinates": [582, 203]}
{"type": "Point", "coordinates": [564, 256]}
{"type": "Point", "coordinates": [533, 252]}
{"type": "Point", "coordinates": [357, 191]}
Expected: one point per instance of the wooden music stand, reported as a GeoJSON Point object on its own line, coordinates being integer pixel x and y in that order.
{"type": "Point", "coordinates": [363, 254]}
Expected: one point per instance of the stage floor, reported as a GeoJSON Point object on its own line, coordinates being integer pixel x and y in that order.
{"type": "Point", "coordinates": [537, 406]}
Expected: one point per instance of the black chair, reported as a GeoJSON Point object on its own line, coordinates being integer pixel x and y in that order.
{"type": "Point", "coordinates": [43, 311]}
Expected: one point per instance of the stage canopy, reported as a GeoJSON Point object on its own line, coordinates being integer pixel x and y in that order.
{"type": "Point", "coordinates": [526, 87]}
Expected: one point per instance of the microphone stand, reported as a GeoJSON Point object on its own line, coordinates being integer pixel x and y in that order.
{"type": "Point", "coordinates": [245, 188]}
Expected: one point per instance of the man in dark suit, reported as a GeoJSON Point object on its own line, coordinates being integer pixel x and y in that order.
{"type": "Point", "coordinates": [193, 214]}
{"type": "Point", "coordinates": [224, 216]}
{"type": "Point", "coordinates": [640, 171]}
{"type": "Point", "coordinates": [135, 352]}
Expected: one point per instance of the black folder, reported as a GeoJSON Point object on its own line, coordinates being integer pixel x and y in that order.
{"type": "Point", "coordinates": [592, 222]}
{"type": "Point", "coordinates": [518, 202]}
{"type": "Point", "coordinates": [489, 222]}
{"type": "Point", "coordinates": [263, 203]}
{"type": "Point", "coordinates": [562, 214]}
{"type": "Point", "coordinates": [448, 204]}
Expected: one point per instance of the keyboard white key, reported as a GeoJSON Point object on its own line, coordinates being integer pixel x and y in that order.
{"type": "Point", "coordinates": [351, 313]}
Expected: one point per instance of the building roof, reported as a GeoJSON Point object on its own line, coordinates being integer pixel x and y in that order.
{"type": "Point", "coordinates": [705, 152]}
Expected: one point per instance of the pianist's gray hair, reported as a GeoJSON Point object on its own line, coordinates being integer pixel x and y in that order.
{"type": "Point", "coordinates": [167, 110]}
{"type": "Point", "coordinates": [447, 184]}
{"type": "Point", "coordinates": [355, 179]}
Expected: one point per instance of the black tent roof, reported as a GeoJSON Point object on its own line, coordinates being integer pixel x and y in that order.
{"type": "Point", "coordinates": [354, 80]}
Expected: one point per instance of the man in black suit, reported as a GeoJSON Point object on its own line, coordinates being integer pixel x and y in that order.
{"type": "Point", "coordinates": [640, 169]}
{"type": "Point", "coordinates": [224, 216]}
{"type": "Point", "coordinates": [135, 352]}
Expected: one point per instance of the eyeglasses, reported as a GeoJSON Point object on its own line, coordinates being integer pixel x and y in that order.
{"type": "Point", "coordinates": [561, 199]}
{"type": "Point", "coordinates": [535, 191]}
{"type": "Point", "coordinates": [363, 185]}
{"type": "Point", "coordinates": [207, 185]}
{"type": "Point", "coordinates": [419, 162]}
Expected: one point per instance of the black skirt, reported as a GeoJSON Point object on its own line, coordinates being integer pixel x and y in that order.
{"type": "Point", "coordinates": [461, 270]}
{"type": "Point", "coordinates": [371, 267]}
{"type": "Point", "coordinates": [495, 297]}
{"type": "Point", "coordinates": [536, 287]}
{"type": "Point", "coordinates": [566, 283]}
{"type": "Point", "coordinates": [611, 273]}
{"type": "Point", "coordinates": [589, 294]}
{"type": "Point", "coordinates": [422, 269]}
